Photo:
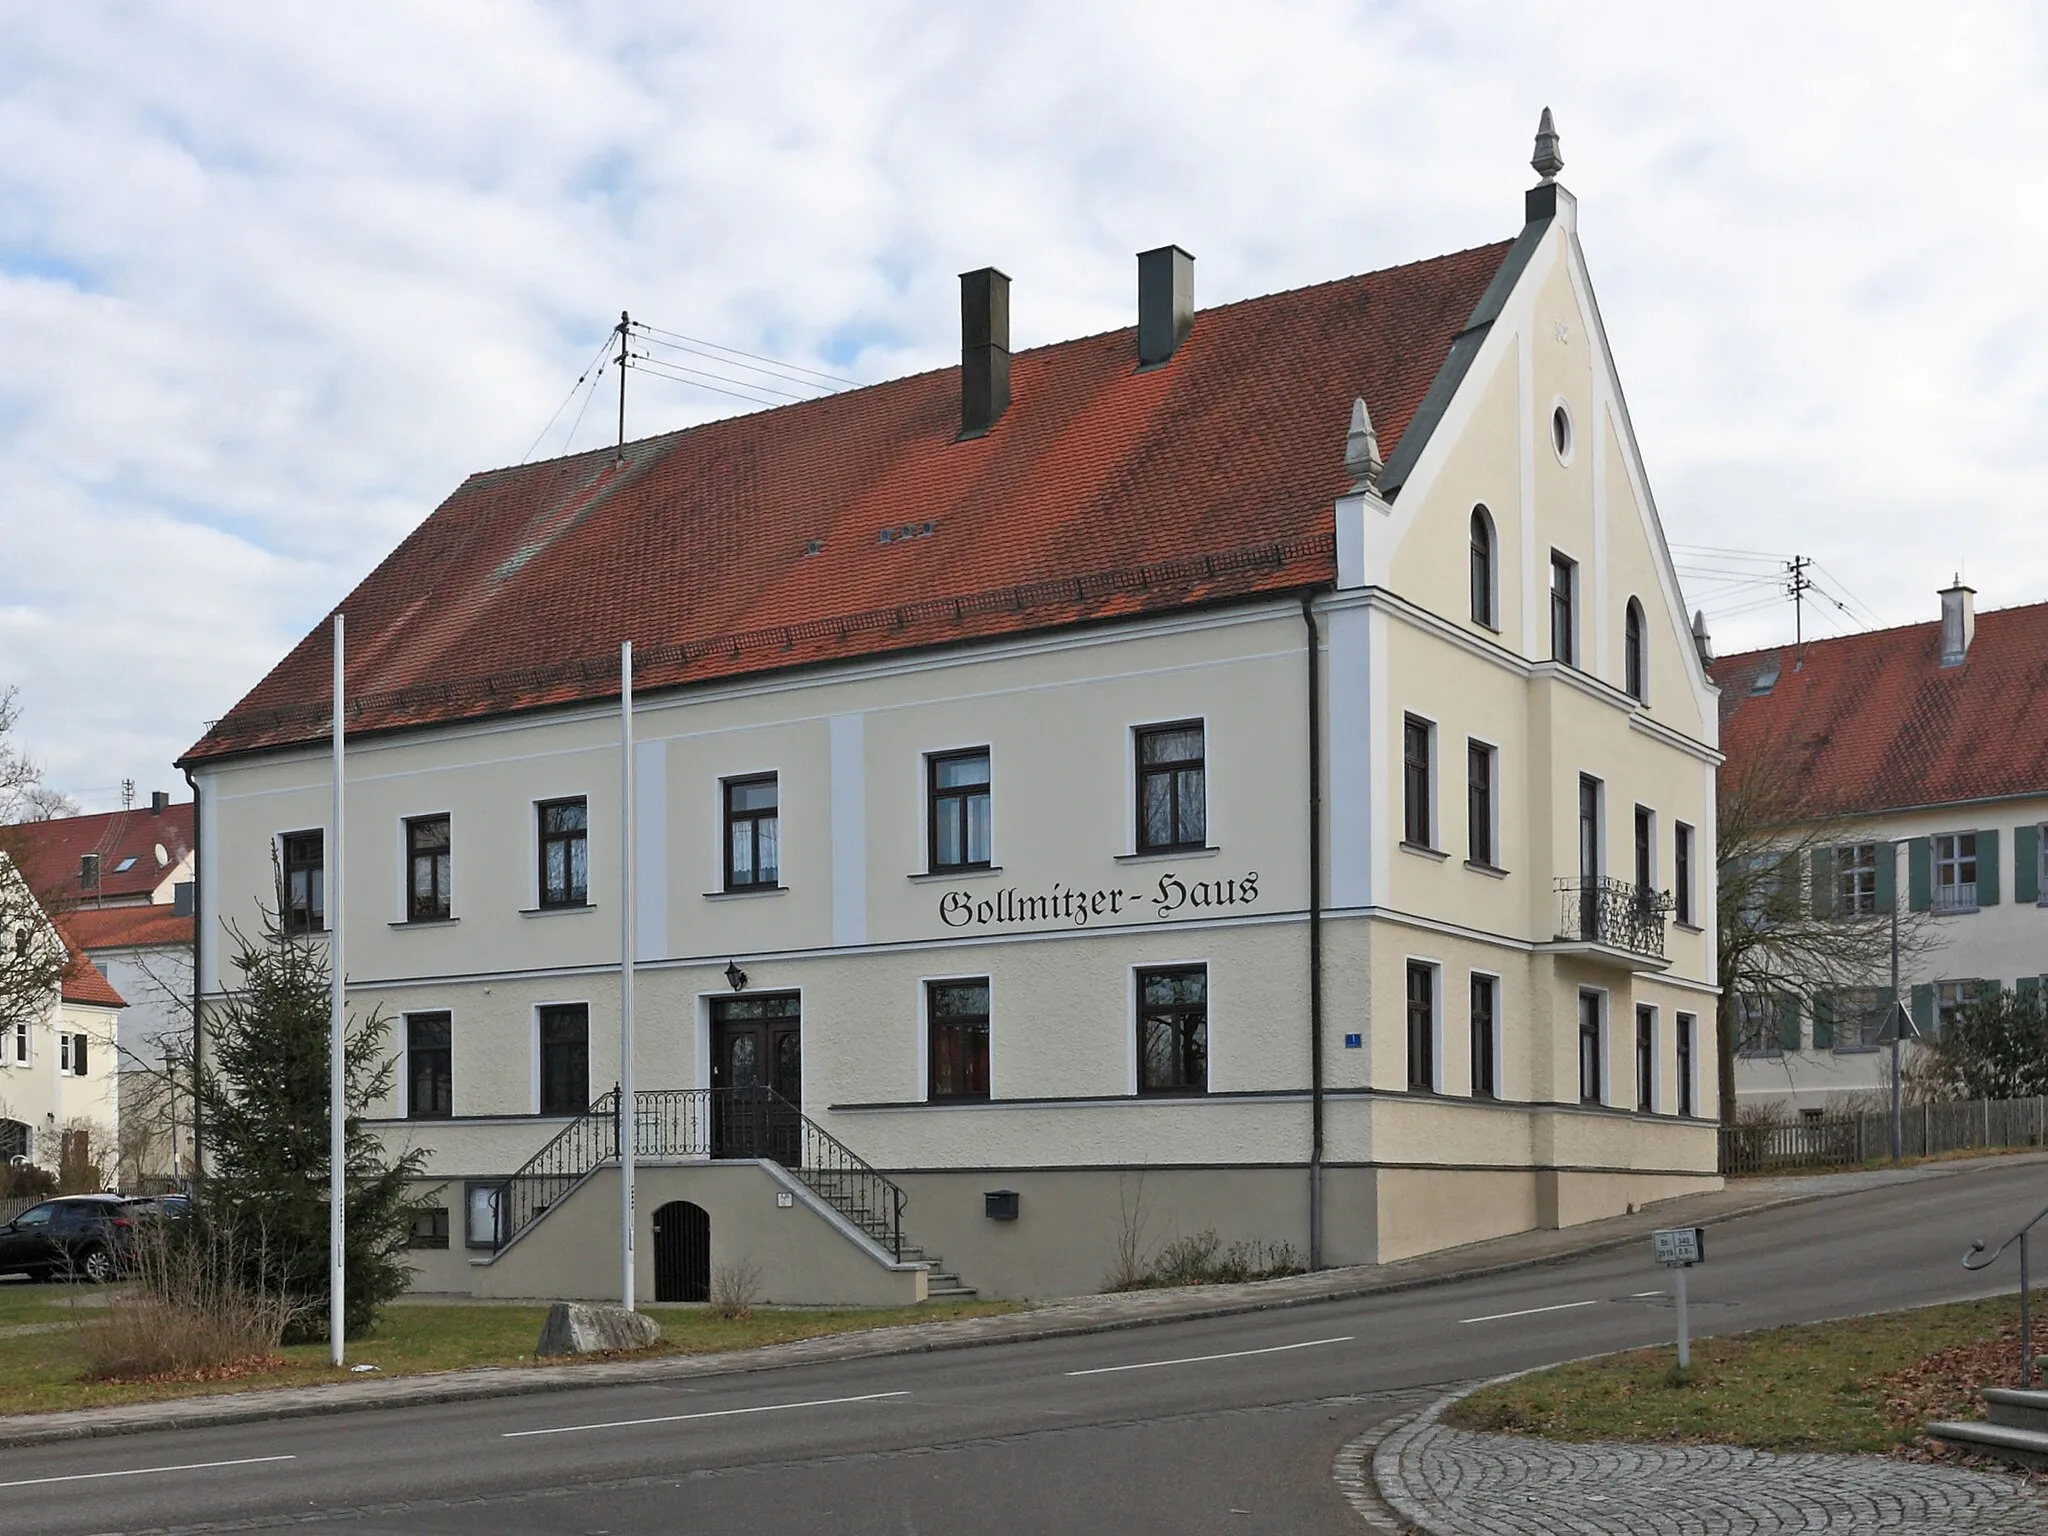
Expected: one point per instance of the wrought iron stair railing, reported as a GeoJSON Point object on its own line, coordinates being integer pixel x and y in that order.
{"type": "Point", "coordinates": [707, 1123]}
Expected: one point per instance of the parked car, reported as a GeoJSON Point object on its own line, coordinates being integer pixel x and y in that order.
{"type": "Point", "coordinates": [88, 1237]}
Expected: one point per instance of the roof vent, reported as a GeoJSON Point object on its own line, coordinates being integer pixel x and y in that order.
{"type": "Point", "coordinates": [1765, 680]}
{"type": "Point", "coordinates": [984, 350]}
{"type": "Point", "coordinates": [1958, 621]}
{"type": "Point", "coordinates": [1166, 303]}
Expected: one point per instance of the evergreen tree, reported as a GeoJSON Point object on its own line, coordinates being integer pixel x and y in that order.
{"type": "Point", "coordinates": [263, 1089]}
{"type": "Point", "coordinates": [1996, 1047]}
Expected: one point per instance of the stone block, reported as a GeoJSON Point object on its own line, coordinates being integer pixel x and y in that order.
{"type": "Point", "coordinates": [593, 1328]}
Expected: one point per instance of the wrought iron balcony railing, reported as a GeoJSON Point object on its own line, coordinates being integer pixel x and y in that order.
{"type": "Point", "coordinates": [1616, 913]}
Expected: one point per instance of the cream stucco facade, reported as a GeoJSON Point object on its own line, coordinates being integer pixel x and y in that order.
{"type": "Point", "coordinates": [1071, 911]}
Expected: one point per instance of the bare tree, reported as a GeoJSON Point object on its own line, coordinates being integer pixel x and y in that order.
{"type": "Point", "coordinates": [1784, 933]}
{"type": "Point", "coordinates": [23, 794]}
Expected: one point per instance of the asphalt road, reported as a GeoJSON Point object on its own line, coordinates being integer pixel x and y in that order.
{"type": "Point", "coordinates": [1226, 1424]}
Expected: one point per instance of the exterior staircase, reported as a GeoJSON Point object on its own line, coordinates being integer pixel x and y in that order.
{"type": "Point", "coordinates": [721, 1122]}
{"type": "Point", "coordinates": [2016, 1429]}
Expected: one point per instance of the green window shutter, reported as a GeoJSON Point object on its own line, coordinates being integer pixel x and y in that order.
{"type": "Point", "coordinates": [1791, 873]}
{"type": "Point", "coordinates": [1987, 868]}
{"type": "Point", "coordinates": [1823, 882]}
{"type": "Point", "coordinates": [2026, 863]}
{"type": "Point", "coordinates": [1824, 1021]}
{"type": "Point", "coordinates": [1923, 1007]}
{"type": "Point", "coordinates": [1919, 874]}
{"type": "Point", "coordinates": [1788, 1022]}
{"type": "Point", "coordinates": [1887, 876]}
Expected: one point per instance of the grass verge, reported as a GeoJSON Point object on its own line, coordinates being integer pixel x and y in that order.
{"type": "Point", "coordinates": [1861, 1384]}
{"type": "Point", "coordinates": [41, 1372]}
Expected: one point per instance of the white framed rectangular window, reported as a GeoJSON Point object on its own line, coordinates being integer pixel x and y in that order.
{"type": "Point", "coordinates": [1423, 1054]}
{"type": "Point", "coordinates": [1955, 872]}
{"type": "Point", "coordinates": [1856, 880]}
{"type": "Point", "coordinates": [1592, 1047]}
{"type": "Point", "coordinates": [484, 1214]}
{"type": "Point", "coordinates": [1485, 1023]}
{"type": "Point", "coordinates": [18, 1053]}
{"type": "Point", "coordinates": [1683, 1065]}
{"type": "Point", "coordinates": [1681, 873]}
{"type": "Point", "coordinates": [1646, 1059]}
{"type": "Point", "coordinates": [1418, 782]}
{"type": "Point", "coordinates": [1482, 804]}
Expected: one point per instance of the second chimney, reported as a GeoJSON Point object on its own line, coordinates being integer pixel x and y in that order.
{"type": "Point", "coordinates": [1166, 303]}
{"type": "Point", "coordinates": [159, 802]}
{"type": "Point", "coordinates": [984, 350]}
{"type": "Point", "coordinates": [1958, 622]}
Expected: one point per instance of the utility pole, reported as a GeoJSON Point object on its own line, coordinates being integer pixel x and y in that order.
{"type": "Point", "coordinates": [625, 329]}
{"type": "Point", "coordinates": [1797, 583]}
{"type": "Point", "coordinates": [1898, 1127]}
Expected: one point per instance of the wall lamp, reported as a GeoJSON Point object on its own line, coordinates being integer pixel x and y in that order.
{"type": "Point", "coordinates": [734, 976]}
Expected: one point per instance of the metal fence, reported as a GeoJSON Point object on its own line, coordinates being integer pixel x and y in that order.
{"type": "Point", "coordinates": [1927, 1130]}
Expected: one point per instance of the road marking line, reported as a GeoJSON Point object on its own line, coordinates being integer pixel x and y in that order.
{"type": "Point", "coordinates": [1643, 1295]}
{"type": "Point", "coordinates": [1497, 1317]}
{"type": "Point", "coordinates": [1235, 1354]}
{"type": "Point", "coordinates": [718, 1413]}
{"type": "Point", "coordinates": [188, 1466]}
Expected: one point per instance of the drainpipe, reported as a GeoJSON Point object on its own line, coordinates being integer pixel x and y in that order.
{"type": "Point", "coordinates": [1315, 933]}
{"type": "Point", "coordinates": [198, 980]}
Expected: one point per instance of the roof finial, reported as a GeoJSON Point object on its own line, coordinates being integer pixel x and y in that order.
{"type": "Point", "coordinates": [1362, 450]}
{"type": "Point", "coordinates": [1549, 157]}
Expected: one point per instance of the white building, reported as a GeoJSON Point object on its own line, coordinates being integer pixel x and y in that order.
{"type": "Point", "coordinates": [1075, 793]}
{"type": "Point", "coordinates": [57, 1056]}
{"type": "Point", "coordinates": [1920, 750]}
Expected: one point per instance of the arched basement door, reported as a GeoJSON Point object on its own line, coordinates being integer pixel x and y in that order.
{"type": "Point", "coordinates": [682, 1252]}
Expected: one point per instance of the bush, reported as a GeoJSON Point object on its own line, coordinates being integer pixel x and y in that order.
{"type": "Point", "coordinates": [25, 1181]}
{"type": "Point", "coordinates": [734, 1290]}
{"type": "Point", "coordinates": [190, 1315]}
{"type": "Point", "coordinates": [1201, 1259]}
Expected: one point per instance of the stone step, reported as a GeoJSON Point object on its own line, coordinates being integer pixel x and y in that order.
{"type": "Point", "coordinates": [2022, 1447]}
{"type": "Point", "coordinates": [2017, 1409]}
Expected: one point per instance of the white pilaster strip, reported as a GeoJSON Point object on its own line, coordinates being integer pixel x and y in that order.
{"type": "Point", "coordinates": [650, 812]}
{"type": "Point", "coordinates": [849, 831]}
{"type": "Point", "coordinates": [1349, 789]}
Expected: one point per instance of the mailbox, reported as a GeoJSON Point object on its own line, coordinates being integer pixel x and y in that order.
{"type": "Point", "coordinates": [1000, 1204]}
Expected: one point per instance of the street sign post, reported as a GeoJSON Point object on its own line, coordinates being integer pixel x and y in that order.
{"type": "Point", "coordinates": [1678, 1249]}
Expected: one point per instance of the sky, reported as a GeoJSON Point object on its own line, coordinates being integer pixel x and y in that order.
{"type": "Point", "coordinates": [274, 279]}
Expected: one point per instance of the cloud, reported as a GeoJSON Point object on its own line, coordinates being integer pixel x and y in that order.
{"type": "Point", "coordinates": [273, 279]}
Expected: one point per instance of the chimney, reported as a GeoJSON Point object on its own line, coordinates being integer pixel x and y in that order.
{"type": "Point", "coordinates": [984, 350]}
{"type": "Point", "coordinates": [1958, 622]}
{"type": "Point", "coordinates": [1166, 303]}
{"type": "Point", "coordinates": [159, 802]}
{"type": "Point", "coordinates": [181, 899]}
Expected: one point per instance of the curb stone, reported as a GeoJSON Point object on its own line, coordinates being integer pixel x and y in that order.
{"type": "Point", "coordinates": [1069, 1318]}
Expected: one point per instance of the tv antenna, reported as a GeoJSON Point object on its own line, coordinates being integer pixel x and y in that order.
{"type": "Point", "coordinates": [1797, 585]}
{"type": "Point", "coordinates": [624, 330]}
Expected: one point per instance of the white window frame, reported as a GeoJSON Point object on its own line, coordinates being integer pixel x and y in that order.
{"type": "Point", "coordinates": [1603, 1049]}
{"type": "Point", "coordinates": [1434, 776]}
{"type": "Point", "coordinates": [1493, 795]}
{"type": "Point", "coordinates": [1436, 1022]}
{"type": "Point", "coordinates": [1132, 1003]}
{"type": "Point", "coordinates": [1957, 902]}
{"type": "Point", "coordinates": [1499, 1084]}
{"type": "Point", "coordinates": [1688, 1100]}
{"type": "Point", "coordinates": [1656, 1057]}
{"type": "Point", "coordinates": [1849, 873]}
{"type": "Point", "coordinates": [1685, 892]}
{"type": "Point", "coordinates": [1656, 873]}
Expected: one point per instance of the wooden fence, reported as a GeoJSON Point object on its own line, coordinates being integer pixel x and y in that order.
{"type": "Point", "coordinates": [1839, 1141]}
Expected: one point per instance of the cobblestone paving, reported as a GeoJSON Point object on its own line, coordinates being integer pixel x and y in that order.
{"type": "Point", "coordinates": [1452, 1482]}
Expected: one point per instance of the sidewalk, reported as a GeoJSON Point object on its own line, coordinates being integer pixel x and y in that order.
{"type": "Point", "coordinates": [1454, 1482]}
{"type": "Point", "coordinates": [1075, 1315]}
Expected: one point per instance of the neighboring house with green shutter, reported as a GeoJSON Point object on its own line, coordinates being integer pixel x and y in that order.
{"type": "Point", "coordinates": [1928, 747]}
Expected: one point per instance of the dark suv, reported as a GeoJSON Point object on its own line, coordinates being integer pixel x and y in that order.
{"type": "Point", "coordinates": [90, 1237]}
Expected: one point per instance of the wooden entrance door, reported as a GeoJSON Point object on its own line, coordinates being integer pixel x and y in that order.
{"type": "Point", "coordinates": [682, 1252]}
{"type": "Point", "coordinates": [757, 1075]}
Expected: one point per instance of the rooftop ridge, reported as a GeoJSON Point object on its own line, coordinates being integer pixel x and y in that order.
{"type": "Point", "coordinates": [1862, 634]}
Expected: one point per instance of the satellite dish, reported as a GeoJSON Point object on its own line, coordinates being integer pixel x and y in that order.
{"type": "Point", "coordinates": [162, 857]}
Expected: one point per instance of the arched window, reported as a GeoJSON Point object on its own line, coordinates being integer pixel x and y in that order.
{"type": "Point", "coordinates": [1634, 663]}
{"type": "Point", "coordinates": [1482, 569]}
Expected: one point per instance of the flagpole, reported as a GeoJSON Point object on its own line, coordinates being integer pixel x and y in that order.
{"type": "Point", "coordinates": [627, 1129]}
{"type": "Point", "coordinates": [337, 1040]}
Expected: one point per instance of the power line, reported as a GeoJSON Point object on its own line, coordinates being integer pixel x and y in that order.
{"type": "Point", "coordinates": [780, 376]}
{"type": "Point", "coordinates": [736, 352]}
{"type": "Point", "coordinates": [595, 379]}
{"type": "Point", "coordinates": [659, 371]}
{"type": "Point", "coordinates": [594, 362]}
{"type": "Point", "coordinates": [766, 389]}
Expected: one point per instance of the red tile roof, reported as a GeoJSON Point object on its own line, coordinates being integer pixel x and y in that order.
{"type": "Point", "coordinates": [83, 983]}
{"type": "Point", "coordinates": [1101, 492]}
{"type": "Point", "coordinates": [93, 928]}
{"type": "Point", "coordinates": [48, 852]}
{"type": "Point", "coordinates": [1875, 722]}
